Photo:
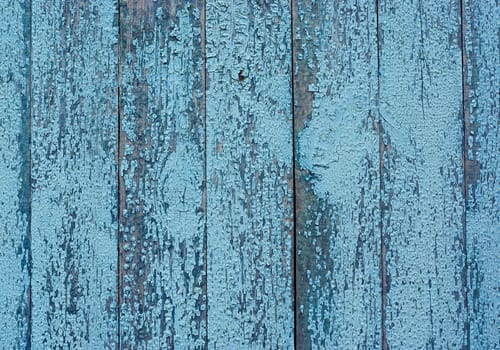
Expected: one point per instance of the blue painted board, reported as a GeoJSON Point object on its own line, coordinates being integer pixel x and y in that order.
{"type": "Point", "coordinates": [420, 111]}
{"type": "Point", "coordinates": [224, 174]}
{"type": "Point", "coordinates": [249, 175]}
{"type": "Point", "coordinates": [162, 193]}
{"type": "Point", "coordinates": [482, 172]}
{"type": "Point", "coordinates": [337, 175]}
{"type": "Point", "coordinates": [14, 174]}
{"type": "Point", "coordinates": [74, 174]}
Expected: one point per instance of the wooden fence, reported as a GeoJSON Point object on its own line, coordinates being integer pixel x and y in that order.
{"type": "Point", "coordinates": [259, 174]}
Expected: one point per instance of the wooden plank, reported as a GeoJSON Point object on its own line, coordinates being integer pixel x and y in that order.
{"type": "Point", "coordinates": [14, 174]}
{"type": "Point", "coordinates": [423, 208]}
{"type": "Point", "coordinates": [74, 189]}
{"type": "Point", "coordinates": [337, 182]}
{"type": "Point", "coordinates": [249, 175]}
{"type": "Point", "coordinates": [482, 171]}
{"type": "Point", "coordinates": [162, 211]}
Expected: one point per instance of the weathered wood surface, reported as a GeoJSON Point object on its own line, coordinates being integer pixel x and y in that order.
{"type": "Point", "coordinates": [482, 172]}
{"type": "Point", "coordinates": [249, 175]}
{"type": "Point", "coordinates": [162, 203]}
{"type": "Point", "coordinates": [224, 174]}
{"type": "Point", "coordinates": [420, 105]}
{"type": "Point", "coordinates": [337, 182]}
{"type": "Point", "coordinates": [14, 174]}
{"type": "Point", "coordinates": [74, 187]}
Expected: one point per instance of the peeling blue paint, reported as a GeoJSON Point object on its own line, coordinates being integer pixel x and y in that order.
{"type": "Point", "coordinates": [222, 174]}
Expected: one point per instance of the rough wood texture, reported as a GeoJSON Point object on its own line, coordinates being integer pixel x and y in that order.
{"type": "Point", "coordinates": [423, 207]}
{"type": "Point", "coordinates": [337, 166]}
{"type": "Point", "coordinates": [14, 174]}
{"type": "Point", "coordinates": [162, 211]}
{"type": "Point", "coordinates": [482, 172]}
{"type": "Point", "coordinates": [152, 171]}
{"type": "Point", "coordinates": [249, 175]}
{"type": "Point", "coordinates": [74, 199]}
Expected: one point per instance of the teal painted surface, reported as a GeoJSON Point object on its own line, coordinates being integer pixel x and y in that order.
{"type": "Point", "coordinates": [482, 172]}
{"type": "Point", "coordinates": [249, 175]}
{"type": "Point", "coordinates": [221, 174]}
{"type": "Point", "coordinates": [162, 202]}
{"type": "Point", "coordinates": [74, 187]}
{"type": "Point", "coordinates": [14, 174]}
{"type": "Point", "coordinates": [337, 175]}
{"type": "Point", "coordinates": [420, 110]}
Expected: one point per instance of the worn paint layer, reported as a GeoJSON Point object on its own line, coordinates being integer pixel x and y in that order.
{"type": "Point", "coordinates": [421, 118]}
{"type": "Point", "coordinates": [142, 208]}
{"type": "Point", "coordinates": [482, 171]}
{"type": "Point", "coordinates": [162, 209]}
{"type": "Point", "coordinates": [249, 175]}
{"type": "Point", "coordinates": [337, 165]}
{"type": "Point", "coordinates": [14, 174]}
{"type": "Point", "coordinates": [74, 190]}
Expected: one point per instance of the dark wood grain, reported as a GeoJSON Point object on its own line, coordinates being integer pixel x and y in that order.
{"type": "Point", "coordinates": [162, 208]}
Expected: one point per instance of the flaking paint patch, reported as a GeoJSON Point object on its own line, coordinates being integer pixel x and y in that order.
{"type": "Point", "coordinates": [162, 269]}
{"type": "Point", "coordinates": [482, 147]}
{"type": "Point", "coordinates": [74, 214]}
{"type": "Point", "coordinates": [249, 164]}
{"type": "Point", "coordinates": [14, 175]}
{"type": "Point", "coordinates": [336, 152]}
{"type": "Point", "coordinates": [420, 111]}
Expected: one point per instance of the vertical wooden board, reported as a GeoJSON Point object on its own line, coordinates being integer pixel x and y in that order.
{"type": "Point", "coordinates": [249, 175]}
{"type": "Point", "coordinates": [420, 109]}
{"type": "Point", "coordinates": [14, 174]}
{"type": "Point", "coordinates": [337, 165]}
{"type": "Point", "coordinates": [482, 172]}
{"type": "Point", "coordinates": [74, 187]}
{"type": "Point", "coordinates": [162, 214]}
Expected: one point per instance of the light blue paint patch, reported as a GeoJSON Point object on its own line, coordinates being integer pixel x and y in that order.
{"type": "Point", "coordinates": [338, 150]}
{"type": "Point", "coordinates": [420, 111]}
{"type": "Point", "coordinates": [74, 194]}
{"type": "Point", "coordinates": [249, 164]}
{"type": "Point", "coordinates": [14, 175]}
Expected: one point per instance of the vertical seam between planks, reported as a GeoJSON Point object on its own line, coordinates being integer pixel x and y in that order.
{"type": "Point", "coordinates": [205, 170]}
{"type": "Point", "coordinates": [294, 238]}
{"type": "Point", "coordinates": [118, 165]}
{"type": "Point", "coordinates": [383, 248]}
{"type": "Point", "coordinates": [30, 253]}
{"type": "Point", "coordinates": [465, 117]}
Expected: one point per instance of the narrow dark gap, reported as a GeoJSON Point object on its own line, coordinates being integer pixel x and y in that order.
{"type": "Point", "coordinates": [205, 170]}
{"type": "Point", "coordinates": [30, 123]}
{"type": "Point", "coordinates": [383, 247]}
{"type": "Point", "coordinates": [294, 202]}
{"type": "Point", "coordinates": [118, 165]}
{"type": "Point", "coordinates": [465, 150]}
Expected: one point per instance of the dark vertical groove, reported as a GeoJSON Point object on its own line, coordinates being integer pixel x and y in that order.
{"type": "Point", "coordinates": [383, 247]}
{"type": "Point", "coordinates": [294, 238]}
{"type": "Point", "coordinates": [118, 164]}
{"type": "Point", "coordinates": [465, 150]}
{"type": "Point", "coordinates": [205, 170]}
{"type": "Point", "coordinates": [30, 116]}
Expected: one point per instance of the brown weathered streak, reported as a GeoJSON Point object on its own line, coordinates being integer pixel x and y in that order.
{"type": "Point", "coordinates": [304, 198]}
